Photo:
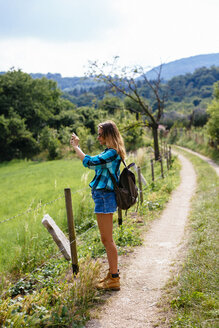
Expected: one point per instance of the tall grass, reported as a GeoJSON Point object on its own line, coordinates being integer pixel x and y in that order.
{"type": "Point", "coordinates": [194, 295]}
{"type": "Point", "coordinates": [62, 301]}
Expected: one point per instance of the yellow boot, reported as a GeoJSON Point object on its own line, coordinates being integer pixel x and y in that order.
{"type": "Point", "coordinates": [107, 277]}
{"type": "Point", "coordinates": [109, 283]}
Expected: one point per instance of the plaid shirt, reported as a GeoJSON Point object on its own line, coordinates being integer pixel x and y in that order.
{"type": "Point", "coordinates": [108, 159]}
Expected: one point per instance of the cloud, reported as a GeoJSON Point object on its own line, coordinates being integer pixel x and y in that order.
{"type": "Point", "coordinates": [56, 20]}
{"type": "Point", "coordinates": [60, 36]}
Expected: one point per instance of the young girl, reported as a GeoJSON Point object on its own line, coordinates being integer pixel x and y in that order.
{"type": "Point", "coordinates": [103, 191]}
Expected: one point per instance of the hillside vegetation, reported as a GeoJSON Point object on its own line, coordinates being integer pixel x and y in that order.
{"type": "Point", "coordinates": [37, 118]}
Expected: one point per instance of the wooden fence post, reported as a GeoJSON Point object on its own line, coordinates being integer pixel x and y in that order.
{"type": "Point", "coordinates": [71, 230]}
{"type": "Point", "coordinates": [161, 145]}
{"type": "Point", "coordinates": [152, 170]}
{"type": "Point", "coordinates": [164, 149]}
{"type": "Point", "coordinates": [167, 161]}
{"type": "Point", "coordinates": [140, 185]}
{"type": "Point", "coordinates": [161, 166]}
{"type": "Point", "coordinates": [170, 156]}
{"type": "Point", "coordinates": [142, 177]}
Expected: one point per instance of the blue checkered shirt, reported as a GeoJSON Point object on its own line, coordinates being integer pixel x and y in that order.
{"type": "Point", "coordinates": [108, 159]}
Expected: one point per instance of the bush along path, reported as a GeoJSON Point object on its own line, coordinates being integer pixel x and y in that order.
{"type": "Point", "coordinates": [148, 269]}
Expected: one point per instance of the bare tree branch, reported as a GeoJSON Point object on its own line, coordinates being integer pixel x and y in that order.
{"type": "Point", "coordinates": [126, 84]}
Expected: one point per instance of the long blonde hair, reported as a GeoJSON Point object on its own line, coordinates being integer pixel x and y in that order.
{"type": "Point", "coordinates": [113, 137]}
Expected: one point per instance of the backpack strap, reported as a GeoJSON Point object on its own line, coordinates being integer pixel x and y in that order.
{"type": "Point", "coordinates": [113, 179]}
{"type": "Point", "coordinates": [123, 162]}
{"type": "Point", "coordinates": [130, 165]}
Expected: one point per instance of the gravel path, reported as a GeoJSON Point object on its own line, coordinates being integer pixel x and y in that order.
{"type": "Point", "coordinates": [149, 267]}
{"type": "Point", "coordinates": [208, 160]}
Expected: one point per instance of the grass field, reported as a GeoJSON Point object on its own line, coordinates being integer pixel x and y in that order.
{"type": "Point", "coordinates": [26, 184]}
{"type": "Point", "coordinates": [28, 191]}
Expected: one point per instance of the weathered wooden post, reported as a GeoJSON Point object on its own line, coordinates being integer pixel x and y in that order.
{"type": "Point", "coordinates": [164, 148]}
{"type": "Point", "coordinates": [58, 236]}
{"type": "Point", "coordinates": [167, 159]}
{"type": "Point", "coordinates": [142, 177]}
{"type": "Point", "coordinates": [152, 170]}
{"type": "Point", "coordinates": [170, 156]}
{"type": "Point", "coordinates": [119, 216]}
{"type": "Point", "coordinates": [71, 230]}
{"type": "Point", "coordinates": [140, 185]}
{"type": "Point", "coordinates": [161, 166]}
{"type": "Point", "coordinates": [161, 145]}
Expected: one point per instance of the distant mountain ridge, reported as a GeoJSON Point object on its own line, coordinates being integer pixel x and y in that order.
{"type": "Point", "coordinates": [184, 66]}
{"type": "Point", "coordinates": [169, 70]}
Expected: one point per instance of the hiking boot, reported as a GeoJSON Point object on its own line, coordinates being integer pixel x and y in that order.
{"type": "Point", "coordinates": [107, 277]}
{"type": "Point", "coordinates": [109, 283]}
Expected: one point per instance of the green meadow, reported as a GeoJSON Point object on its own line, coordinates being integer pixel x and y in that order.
{"type": "Point", "coordinates": [26, 184]}
{"type": "Point", "coordinates": [28, 191]}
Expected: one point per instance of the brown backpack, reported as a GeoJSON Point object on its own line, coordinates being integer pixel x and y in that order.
{"type": "Point", "coordinates": [126, 190]}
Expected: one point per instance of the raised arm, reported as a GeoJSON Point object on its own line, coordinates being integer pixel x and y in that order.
{"type": "Point", "coordinates": [102, 160]}
{"type": "Point", "coordinates": [74, 142]}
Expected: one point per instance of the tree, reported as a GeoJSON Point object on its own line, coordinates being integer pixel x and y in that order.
{"type": "Point", "coordinates": [15, 140]}
{"type": "Point", "coordinates": [49, 141]}
{"type": "Point", "coordinates": [200, 117]}
{"type": "Point", "coordinates": [110, 104]}
{"type": "Point", "coordinates": [213, 111]}
{"type": "Point", "coordinates": [33, 100]}
{"type": "Point", "coordinates": [27, 106]}
{"type": "Point", "coordinates": [125, 82]}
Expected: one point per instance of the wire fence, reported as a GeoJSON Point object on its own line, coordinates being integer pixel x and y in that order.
{"type": "Point", "coordinates": [38, 207]}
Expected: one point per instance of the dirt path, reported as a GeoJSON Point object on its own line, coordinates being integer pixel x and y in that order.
{"type": "Point", "coordinates": [149, 268]}
{"type": "Point", "coordinates": [208, 160]}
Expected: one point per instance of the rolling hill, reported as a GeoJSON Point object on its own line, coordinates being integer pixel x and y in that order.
{"type": "Point", "coordinates": [185, 65]}
{"type": "Point", "coordinates": [169, 70]}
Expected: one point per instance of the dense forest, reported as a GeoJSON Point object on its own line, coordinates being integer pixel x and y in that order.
{"type": "Point", "coordinates": [187, 96]}
{"type": "Point", "coordinates": [190, 88]}
{"type": "Point", "coordinates": [36, 117]}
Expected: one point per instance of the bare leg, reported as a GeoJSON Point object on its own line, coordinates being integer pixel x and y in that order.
{"type": "Point", "coordinates": [105, 224]}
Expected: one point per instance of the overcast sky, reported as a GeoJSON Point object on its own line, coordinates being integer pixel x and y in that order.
{"type": "Point", "coordinates": [61, 36]}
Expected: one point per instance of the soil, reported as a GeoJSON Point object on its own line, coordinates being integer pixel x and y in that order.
{"type": "Point", "coordinates": [147, 270]}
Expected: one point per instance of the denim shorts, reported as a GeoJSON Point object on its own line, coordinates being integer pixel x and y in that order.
{"type": "Point", "coordinates": [105, 201]}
